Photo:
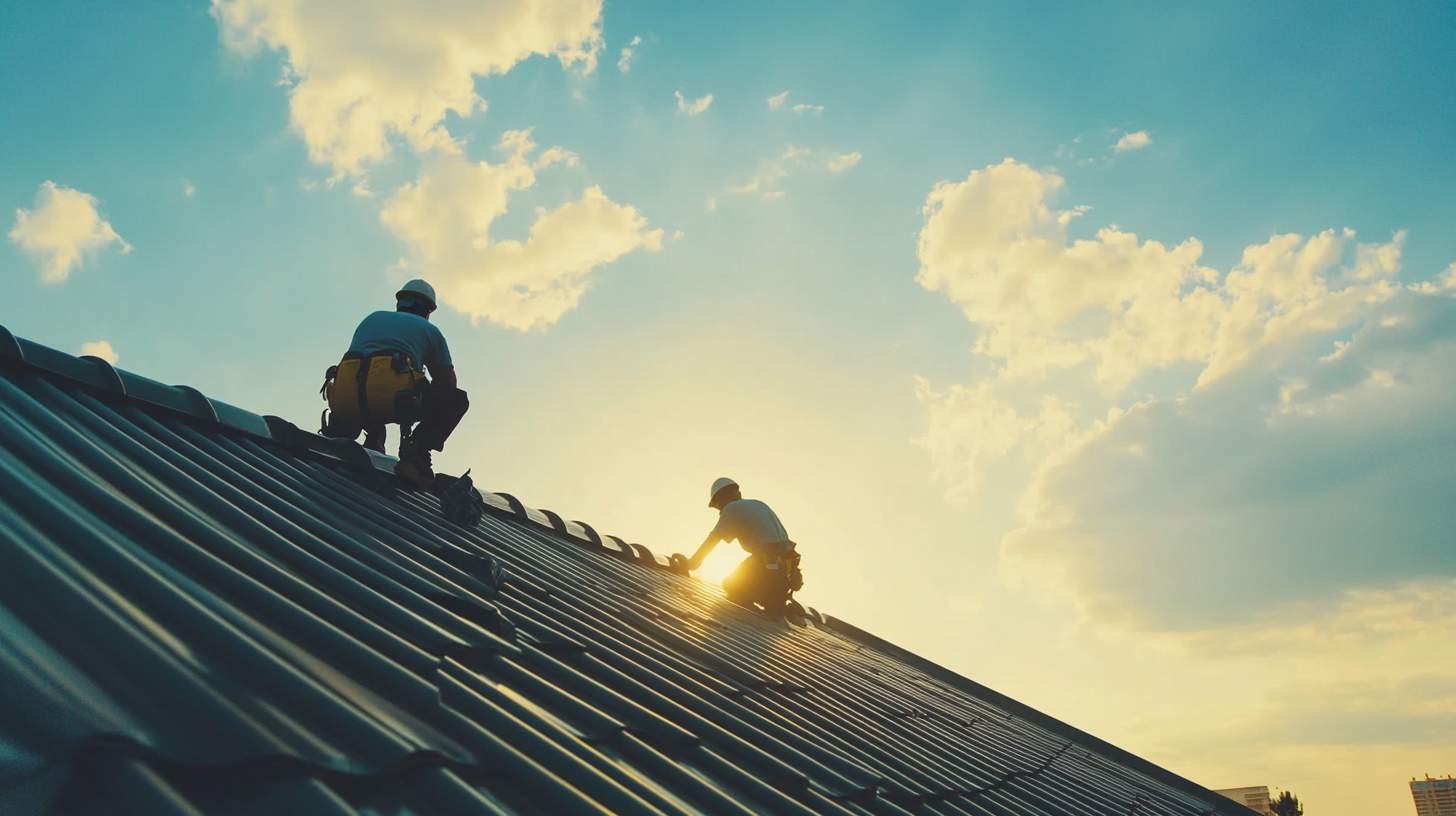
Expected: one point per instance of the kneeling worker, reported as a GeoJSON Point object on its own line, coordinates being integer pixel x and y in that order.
{"type": "Point", "coordinates": [769, 576]}
{"type": "Point", "coordinates": [381, 381]}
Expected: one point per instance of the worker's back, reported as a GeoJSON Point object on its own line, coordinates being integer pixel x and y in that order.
{"type": "Point", "coordinates": [752, 522]}
{"type": "Point", "coordinates": [402, 331]}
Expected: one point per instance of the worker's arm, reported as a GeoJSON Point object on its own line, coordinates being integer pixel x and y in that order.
{"type": "Point", "coordinates": [704, 550]}
{"type": "Point", "coordinates": [444, 377]}
{"type": "Point", "coordinates": [726, 530]}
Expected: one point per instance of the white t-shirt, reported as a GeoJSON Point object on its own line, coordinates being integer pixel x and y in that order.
{"type": "Point", "coordinates": [751, 522]}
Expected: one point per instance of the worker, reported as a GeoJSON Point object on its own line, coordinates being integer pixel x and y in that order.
{"type": "Point", "coordinates": [381, 380]}
{"type": "Point", "coordinates": [770, 575]}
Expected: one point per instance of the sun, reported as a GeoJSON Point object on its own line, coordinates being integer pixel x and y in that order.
{"type": "Point", "coordinates": [723, 560]}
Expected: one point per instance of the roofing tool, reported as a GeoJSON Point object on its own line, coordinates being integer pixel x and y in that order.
{"type": "Point", "coordinates": [460, 502]}
{"type": "Point", "coordinates": [206, 611]}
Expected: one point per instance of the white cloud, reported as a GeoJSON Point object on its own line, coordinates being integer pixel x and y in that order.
{"type": "Point", "coordinates": [368, 75]}
{"type": "Point", "coordinates": [771, 171]}
{"type": "Point", "coordinates": [1133, 141]}
{"type": "Point", "coordinates": [997, 249]}
{"type": "Point", "coordinates": [61, 230]}
{"type": "Point", "coordinates": [1315, 475]}
{"type": "Point", "coordinates": [187, 189]}
{"type": "Point", "coordinates": [102, 349]}
{"type": "Point", "coordinates": [445, 219]}
{"type": "Point", "coordinates": [779, 102]}
{"type": "Point", "coordinates": [366, 71]}
{"type": "Point", "coordinates": [1274, 452]}
{"type": "Point", "coordinates": [1239, 480]}
{"type": "Point", "coordinates": [695, 107]}
{"type": "Point", "coordinates": [625, 63]}
{"type": "Point", "coordinates": [968, 427]}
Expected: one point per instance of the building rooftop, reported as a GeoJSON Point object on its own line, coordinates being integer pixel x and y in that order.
{"type": "Point", "coordinates": [205, 611]}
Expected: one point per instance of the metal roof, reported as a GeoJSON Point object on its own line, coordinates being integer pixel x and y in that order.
{"type": "Point", "coordinates": [204, 611]}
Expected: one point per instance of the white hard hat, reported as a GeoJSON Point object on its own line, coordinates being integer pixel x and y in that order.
{"type": "Point", "coordinates": [418, 287]}
{"type": "Point", "coordinates": [719, 484]}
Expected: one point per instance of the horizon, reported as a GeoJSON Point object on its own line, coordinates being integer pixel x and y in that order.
{"type": "Point", "coordinates": [1104, 357]}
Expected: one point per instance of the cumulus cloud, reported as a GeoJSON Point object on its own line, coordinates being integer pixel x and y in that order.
{"type": "Point", "coordinates": [102, 349]}
{"type": "Point", "coordinates": [445, 219]}
{"type": "Point", "coordinates": [625, 63]}
{"type": "Point", "coordinates": [364, 73]}
{"type": "Point", "coordinates": [694, 107]}
{"type": "Point", "coordinates": [1319, 474]}
{"type": "Point", "coordinates": [365, 77]}
{"type": "Point", "coordinates": [1294, 445]}
{"type": "Point", "coordinates": [1133, 141]}
{"type": "Point", "coordinates": [780, 102]}
{"type": "Point", "coordinates": [998, 249]}
{"type": "Point", "coordinates": [61, 230]}
{"type": "Point", "coordinates": [843, 161]}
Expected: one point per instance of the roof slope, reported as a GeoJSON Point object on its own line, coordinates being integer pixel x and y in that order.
{"type": "Point", "coordinates": [203, 611]}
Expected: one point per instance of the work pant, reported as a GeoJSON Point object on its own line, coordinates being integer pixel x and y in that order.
{"type": "Point", "coordinates": [767, 578]}
{"type": "Point", "coordinates": [440, 411]}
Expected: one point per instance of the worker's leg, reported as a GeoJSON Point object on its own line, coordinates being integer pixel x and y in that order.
{"type": "Point", "coordinates": [760, 582]}
{"type": "Point", "coordinates": [375, 437]}
{"type": "Point", "coordinates": [773, 590]}
{"type": "Point", "coordinates": [441, 412]}
{"type": "Point", "coordinates": [741, 585]}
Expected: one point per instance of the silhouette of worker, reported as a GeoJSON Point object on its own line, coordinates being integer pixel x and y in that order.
{"type": "Point", "coordinates": [770, 575]}
{"type": "Point", "coordinates": [381, 380]}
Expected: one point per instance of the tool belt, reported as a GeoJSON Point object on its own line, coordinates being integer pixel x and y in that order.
{"type": "Point", "coordinates": [783, 559]}
{"type": "Point", "coordinates": [374, 390]}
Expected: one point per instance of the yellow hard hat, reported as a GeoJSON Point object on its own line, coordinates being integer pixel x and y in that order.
{"type": "Point", "coordinates": [718, 485]}
{"type": "Point", "coordinates": [418, 287]}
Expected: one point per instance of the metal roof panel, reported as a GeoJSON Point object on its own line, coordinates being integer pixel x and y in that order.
{"type": "Point", "coordinates": [205, 611]}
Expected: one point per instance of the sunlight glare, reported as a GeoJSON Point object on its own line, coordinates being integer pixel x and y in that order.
{"type": "Point", "coordinates": [721, 562]}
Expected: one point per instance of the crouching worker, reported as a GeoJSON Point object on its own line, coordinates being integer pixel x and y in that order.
{"type": "Point", "coordinates": [381, 380]}
{"type": "Point", "coordinates": [770, 575]}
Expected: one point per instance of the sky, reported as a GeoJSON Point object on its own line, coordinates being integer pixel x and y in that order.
{"type": "Point", "coordinates": [1103, 353]}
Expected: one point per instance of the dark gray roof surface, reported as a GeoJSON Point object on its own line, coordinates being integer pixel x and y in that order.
{"type": "Point", "coordinates": [203, 611]}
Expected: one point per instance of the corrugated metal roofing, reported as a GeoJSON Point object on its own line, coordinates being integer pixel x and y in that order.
{"type": "Point", "coordinates": [203, 611]}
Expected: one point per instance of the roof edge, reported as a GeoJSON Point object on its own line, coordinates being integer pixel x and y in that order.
{"type": "Point", "coordinates": [1220, 804]}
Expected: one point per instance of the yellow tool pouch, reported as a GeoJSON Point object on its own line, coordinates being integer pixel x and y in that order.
{"type": "Point", "coordinates": [375, 390]}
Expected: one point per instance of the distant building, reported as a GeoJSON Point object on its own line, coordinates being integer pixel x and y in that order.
{"type": "Point", "coordinates": [1255, 797]}
{"type": "Point", "coordinates": [1434, 797]}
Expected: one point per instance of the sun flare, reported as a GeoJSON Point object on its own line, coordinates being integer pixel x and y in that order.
{"type": "Point", "coordinates": [722, 561]}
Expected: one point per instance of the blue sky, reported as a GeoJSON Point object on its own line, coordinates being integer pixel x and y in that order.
{"type": "Point", "coordinates": [1142, 417]}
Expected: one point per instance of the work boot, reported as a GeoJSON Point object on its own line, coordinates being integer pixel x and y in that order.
{"type": "Point", "coordinates": [374, 442]}
{"type": "Point", "coordinates": [414, 464]}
